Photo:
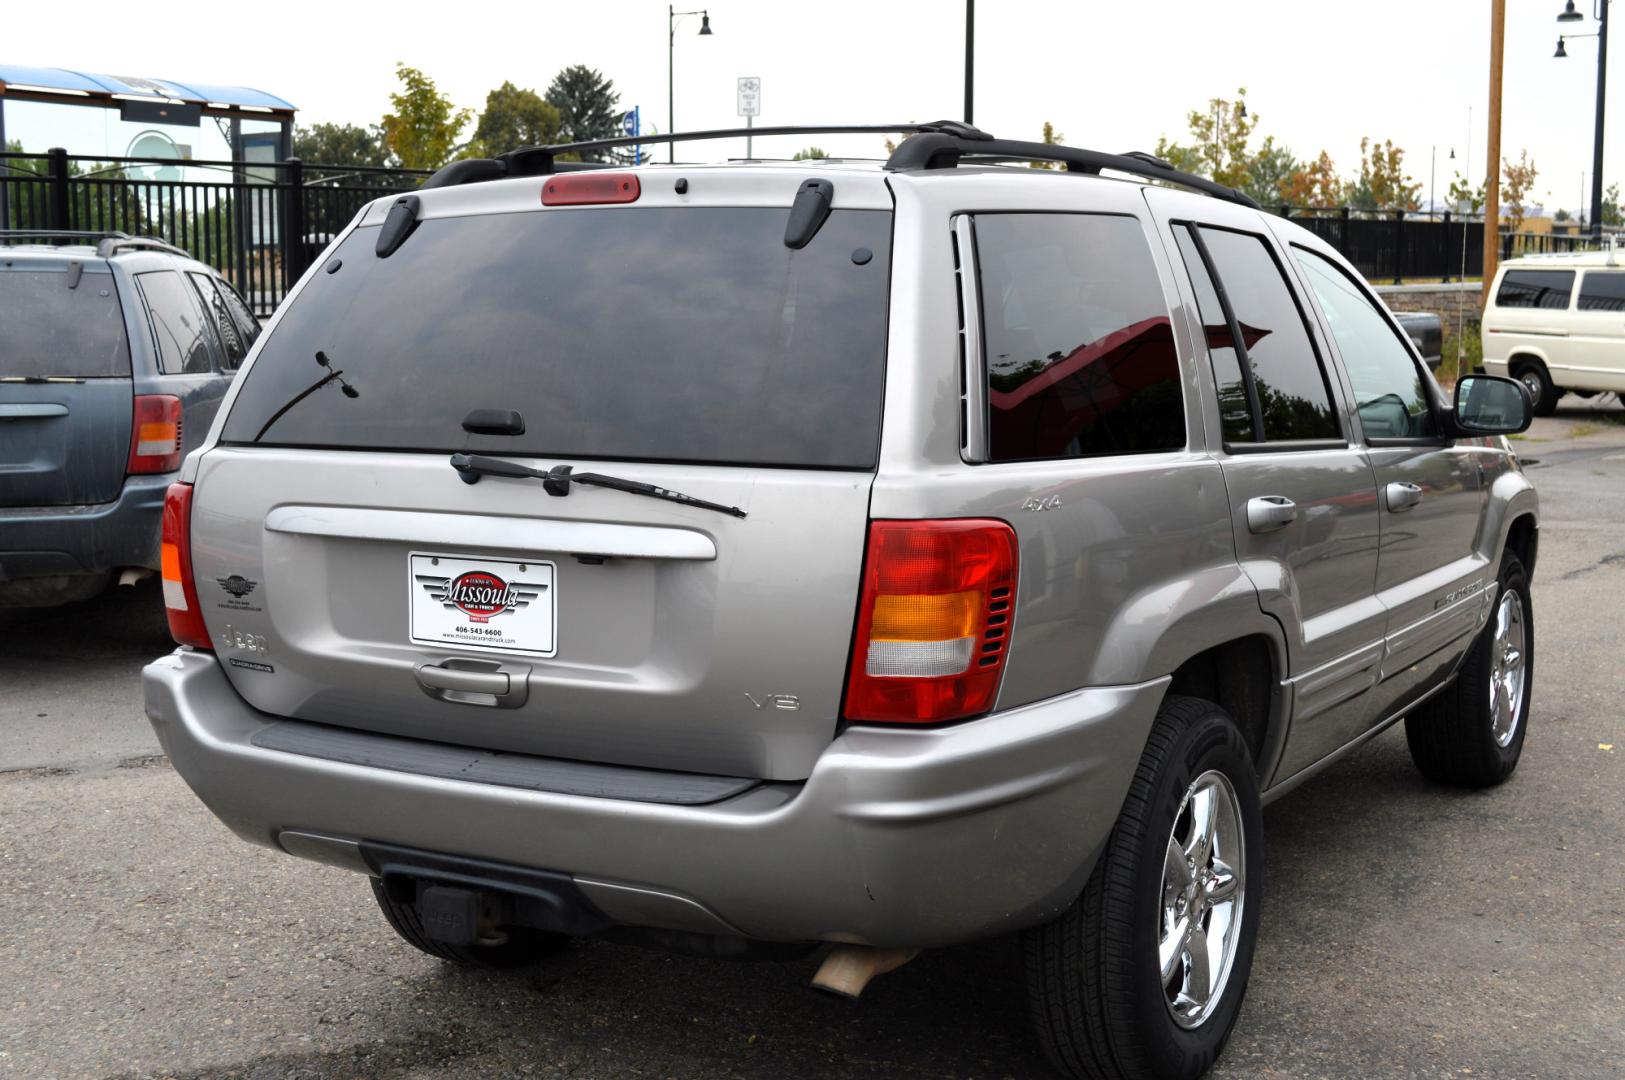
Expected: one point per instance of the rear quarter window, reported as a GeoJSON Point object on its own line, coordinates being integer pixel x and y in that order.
{"type": "Point", "coordinates": [1535, 289]}
{"type": "Point", "coordinates": [1602, 290]}
{"type": "Point", "coordinates": [48, 328]}
{"type": "Point", "coordinates": [1076, 335]}
{"type": "Point", "coordinates": [177, 323]}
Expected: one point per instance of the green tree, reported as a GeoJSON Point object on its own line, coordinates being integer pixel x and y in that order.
{"type": "Point", "coordinates": [811, 153]}
{"type": "Point", "coordinates": [422, 130]}
{"type": "Point", "coordinates": [346, 145]}
{"type": "Point", "coordinates": [1383, 184]}
{"type": "Point", "coordinates": [1461, 194]}
{"type": "Point", "coordinates": [515, 118]}
{"type": "Point", "coordinates": [1610, 206]}
{"type": "Point", "coordinates": [1269, 173]}
{"type": "Point", "coordinates": [1218, 147]}
{"type": "Point", "coordinates": [586, 102]}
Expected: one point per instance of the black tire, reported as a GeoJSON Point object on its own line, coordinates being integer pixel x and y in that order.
{"type": "Point", "coordinates": [1093, 981]}
{"type": "Point", "coordinates": [1543, 393]}
{"type": "Point", "coordinates": [1452, 735]}
{"type": "Point", "coordinates": [521, 947]}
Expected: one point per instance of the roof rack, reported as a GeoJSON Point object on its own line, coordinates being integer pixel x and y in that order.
{"type": "Point", "coordinates": [945, 150]}
{"type": "Point", "coordinates": [544, 160]}
{"type": "Point", "coordinates": [114, 244]}
{"type": "Point", "coordinates": [940, 144]}
{"type": "Point", "coordinates": [108, 242]}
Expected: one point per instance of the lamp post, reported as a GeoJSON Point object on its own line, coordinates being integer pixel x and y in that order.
{"type": "Point", "coordinates": [1600, 13]}
{"type": "Point", "coordinates": [672, 18]}
{"type": "Point", "coordinates": [970, 56]}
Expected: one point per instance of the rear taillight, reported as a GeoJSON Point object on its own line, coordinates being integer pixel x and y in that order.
{"type": "Point", "coordinates": [155, 435]}
{"type": "Point", "coordinates": [175, 556]}
{"type": "Point", "coordinates": [585, 188]}
{"type": "Point", "coordinates": [933, 620]}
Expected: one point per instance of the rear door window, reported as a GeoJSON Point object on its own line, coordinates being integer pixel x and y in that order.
{"type": "Point", "coordinates": [1260, 325]}
{"type": "Point", "coordinates": [1535, 289]}
{"type": "Point", "coordinates": [632, 333]}
{"type": "Point", "coordinates": [177, 324]}
{"type": "Point", "coordinates": [49, 328]}
{"type": "Point", "coordinates": [1079, 351]}
{"type": "Point", "coordinates": [1602, 290]}
{"type": "Point", "coordinates": [233, 347]}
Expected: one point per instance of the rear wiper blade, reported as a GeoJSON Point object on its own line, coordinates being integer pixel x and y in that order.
{"type": "Point", "coordinates": [557, 480]}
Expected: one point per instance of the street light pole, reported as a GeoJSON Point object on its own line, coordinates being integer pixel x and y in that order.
{"type": "Point", "coordinates": [1596, 147]}
{"type": "Point", "coordinates": [1492, 166]}
{"type": "Point", "coordinates": [1569, 15]}
{"type": "Point", "coordinates": [671, 53]}
{"type": "Point", "coordinates": [970, 56]}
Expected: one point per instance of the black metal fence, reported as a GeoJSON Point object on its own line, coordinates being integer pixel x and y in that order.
{"type": "Point", "coordinates": [260, 223]}
{"type": "Point", "coordinates": [1394, 245]}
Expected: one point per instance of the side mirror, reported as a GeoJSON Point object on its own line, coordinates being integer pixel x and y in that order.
{"type": "Point", "coordinates": [1491, 405]}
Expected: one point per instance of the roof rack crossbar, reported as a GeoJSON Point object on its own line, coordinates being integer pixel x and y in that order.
{"type": "Point", "coordinates": [77, 234]}
{"type": "Point", "coordinates": [108, 241]}
{"type": "Point", "coordinates": [544, 160]}
{"type": "Point", "coordinates": [942, 150]}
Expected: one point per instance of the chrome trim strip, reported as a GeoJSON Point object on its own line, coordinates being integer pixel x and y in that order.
{"type": "Point", "coordinates": [972, 370]}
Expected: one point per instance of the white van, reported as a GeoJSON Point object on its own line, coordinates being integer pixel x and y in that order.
{"type": "Point", "coordinates": [1556, 323]}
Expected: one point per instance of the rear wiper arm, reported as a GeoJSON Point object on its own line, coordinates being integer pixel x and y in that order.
{"type": "Point", "coordinates": [557, 480]}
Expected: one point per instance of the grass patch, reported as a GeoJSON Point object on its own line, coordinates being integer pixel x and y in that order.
{"type": "Point", "coordinates": [1580, 431]}
{"type": "Point", "coordinates": [1460, 354]}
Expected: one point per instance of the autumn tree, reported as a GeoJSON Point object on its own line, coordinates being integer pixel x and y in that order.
{"type": "Point", "coordinates": [422, 130]}
{"type": "Point", "coordinates": [1383, 184]}
{"type": "Point", "coordinates": [513, 118]}
{"type": "Point", "coordinates": [1268, 173]}
{"type": "Point", "coordinates": [1051, 137]}
{"type": "Point", "coordinates": [1516, 182]}
{"type": "Point", "coordinates": [1218, 147]}
{"type": "Point", "coordinates": [1314, 184]}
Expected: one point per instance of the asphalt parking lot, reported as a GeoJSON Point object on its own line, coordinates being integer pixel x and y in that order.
{"type": "Point", "coordinates": [1408, 930]}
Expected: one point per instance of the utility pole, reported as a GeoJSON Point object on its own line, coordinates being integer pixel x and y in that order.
{"type": "Point", "coordinates": [1492, 172]}
{"type": "Point", "coordinates": [970, 56]}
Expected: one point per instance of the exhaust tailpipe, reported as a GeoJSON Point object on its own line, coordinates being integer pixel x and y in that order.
{"type": "Point", "coordinates": [849, 968]}
{"type": "Point", "coordinates": [132, 574]}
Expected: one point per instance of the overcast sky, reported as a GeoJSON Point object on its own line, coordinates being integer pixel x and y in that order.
{"type": "Point", "coordinates": [1111, 76]}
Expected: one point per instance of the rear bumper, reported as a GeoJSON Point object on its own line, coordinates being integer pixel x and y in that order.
{"type": "Point", "coordinates": [52, 541]}
{"type": "Point", "coordinates": [899, 837]}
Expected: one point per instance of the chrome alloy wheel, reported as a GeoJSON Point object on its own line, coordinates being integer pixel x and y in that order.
{"type": "Point", "coordinates": [1508, 668]}
{"type": "Point", "coordinates": [1203, 889]}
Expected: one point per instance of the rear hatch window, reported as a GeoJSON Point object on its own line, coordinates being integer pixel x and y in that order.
{"type": "Point", "coordinates": [686, 334]}
{"type": "Point", "coordinates": [48, 328]}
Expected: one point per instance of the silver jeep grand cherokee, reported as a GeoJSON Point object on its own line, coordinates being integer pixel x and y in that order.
{"type": "Point", "coordinates": [753, 556]}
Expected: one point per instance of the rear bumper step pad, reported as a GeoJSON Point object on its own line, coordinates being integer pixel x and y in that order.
{"type": "Point", "coordinates": [472, 765]}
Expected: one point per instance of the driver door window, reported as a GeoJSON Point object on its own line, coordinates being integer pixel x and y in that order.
{"type": "Point", "coordinates": [1388, 388]}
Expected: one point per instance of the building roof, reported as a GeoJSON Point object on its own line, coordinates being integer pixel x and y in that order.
{"type": "Point", "coordinates": [63, 84]}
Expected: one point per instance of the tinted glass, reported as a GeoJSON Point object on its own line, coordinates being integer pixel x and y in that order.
{"type": "Point", "coordinates": [176, 325]}
{"type": "Point", "coordinates": [248, 327]}
{"type": "Point", "coordinates": [1292, 391]}
{"type": "Point", "coordinates": [652, 334]}
{"type": "Point", "coordinates": [47, 328]}
{"type": "Point", "coordinates": [1235, 412]}
{"type": "Point", "coordinates": [1602, 291]}
{"type": "Point", "coordinates": [1080, 353]}
{"type": "Point", "coordinates": [1387, 379]}
{"type": "Point", "coordinates": [233, 347]}
{"type": "Point", "coordinates": [1535, 289]}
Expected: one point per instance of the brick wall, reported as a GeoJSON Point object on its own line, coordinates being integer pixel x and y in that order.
{"type": "Point", "coordinates": [1445, 301]}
